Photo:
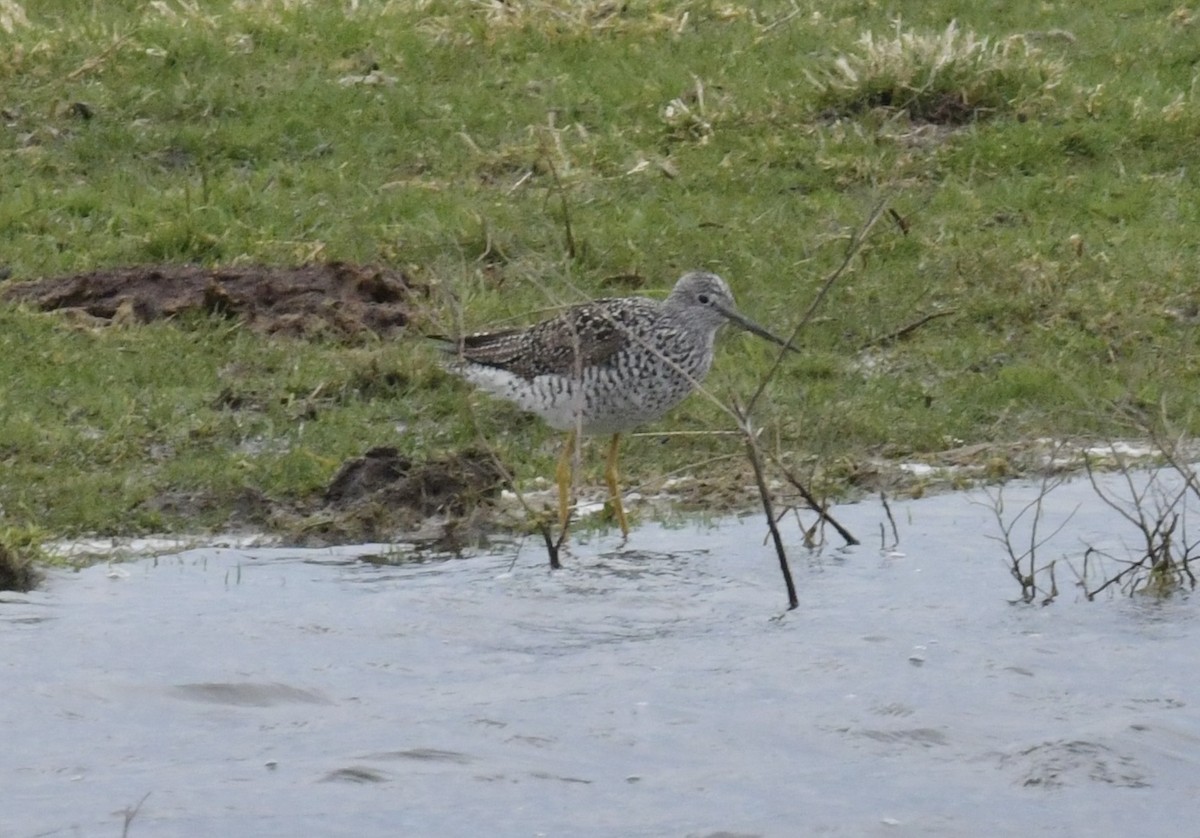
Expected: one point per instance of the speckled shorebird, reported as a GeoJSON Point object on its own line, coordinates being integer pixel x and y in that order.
{"type": "Point", "coordinates": [606, 366]}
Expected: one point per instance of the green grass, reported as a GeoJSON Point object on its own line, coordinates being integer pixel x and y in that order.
{"type": "Point", "coordinates": [684, 134]}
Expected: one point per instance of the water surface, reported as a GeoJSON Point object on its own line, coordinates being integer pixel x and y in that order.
{"type": "Point", "coordinates": [653, 689]}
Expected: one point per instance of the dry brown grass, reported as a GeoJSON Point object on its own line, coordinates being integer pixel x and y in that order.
{"type": "Point", "coordinates": [952, 76]}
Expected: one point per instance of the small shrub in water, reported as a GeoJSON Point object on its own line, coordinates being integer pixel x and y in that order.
{"type": "Point", "coordinates": [20, 549]}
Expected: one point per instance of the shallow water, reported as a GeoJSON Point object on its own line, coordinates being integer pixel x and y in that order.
{"type": "Point", "coordinates": [654, 690]}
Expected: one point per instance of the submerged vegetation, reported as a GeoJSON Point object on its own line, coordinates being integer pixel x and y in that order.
{"type": "Point", "coordinates": [1035, 276]}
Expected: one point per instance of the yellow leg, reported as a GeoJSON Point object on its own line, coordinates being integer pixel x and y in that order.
{"type": "Point", "coordinates": [614, 488]}
{"type": "Point", "coordinates": [562, 476]}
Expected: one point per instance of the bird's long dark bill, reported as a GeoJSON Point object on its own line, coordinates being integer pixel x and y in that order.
{"type": "Point", "coordinates": [755, 329]}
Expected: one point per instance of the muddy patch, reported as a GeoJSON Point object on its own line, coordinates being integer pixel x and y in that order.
{"type": "Point", "coordinates": [378, 496]}
{"type": "Point", "coordinates": [18, 572]}
{"type": "Point", "coordinates": [382, 492]}
{"type": "Point", "coordinates": [335, 298]}
{"type": "Point", "coordinates": [443, 502]}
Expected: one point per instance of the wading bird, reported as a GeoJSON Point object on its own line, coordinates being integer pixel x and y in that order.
{"type": "Point", "coordinates": [604, 367]}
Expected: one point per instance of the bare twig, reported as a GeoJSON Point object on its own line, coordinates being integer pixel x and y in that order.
{"type": "Point", "coordinates": [130, 813]}
{"type": "Point", "coordinates": [1091, 594]}
{"type": "Point", "coordinates": [764, 495]}
{"type": "Point", "coordinates": [891, 520]}
{"type": "Point", "coordinates": [900, 220]}
{"type": "Point", "coordinates": [742, 416]}
{"type": "Point", "coordinates": [905, 331]}
{"type": "Point", "coordinates": [1027, 576]}
{"type": "Point", "coordinates": [1164, 561]}
{"type": "Point", "coordinates": [553, 545]}
{"type": "Point", "coordinates": [540, 521]}
{"type": "Point", "coordinates": [1173, 448]}
{"type": "Point", "coordinates": [814, 504]}
{"type": "Point", "coordinates": [780, 21]}
{"type": "Point", "coordinates": [97, 60]}
{"type": "Point", "coordinates": [857, 239]}
{"type": "Point", "coordinates": [568, 234]}
{"type": "Point", "coordinates": [1053, 594]}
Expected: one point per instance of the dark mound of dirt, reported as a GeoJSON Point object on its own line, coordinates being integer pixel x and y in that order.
{"type": "Point", "coordinates": [17, 569]}
{"type": "Point", "coordinates": [337, 297]}
{"type": "Point", "coordinates": [380, 494]}
{"type": "Point", "coordinates": [454, 484]}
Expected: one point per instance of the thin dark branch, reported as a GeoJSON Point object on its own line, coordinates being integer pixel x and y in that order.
{"type": "Point", "coordinates": [1108, 501]}
{"type": "Point", "coordinates": [764, 495]}
{"type": "Point", "coordinates": [1053, 595]}
{"type": "Point", "coordinates": [130, 813]}
{"type": "Point", "coordinates": [814, 504]}
{"type": "Point", "coordinates": [1157, 527]}
{"type": "Point", "coordinates": [857, 240]}
{"type": "Point", "coordinates": [905, 331]}
{"type": "Point", "coordinates": [891, 520]}
{"type": "Point", "coordinates": [1175, 455]}
{"type": "Point", "coordinates": [569, 235]}
{"type": "Point", "coordinates": [1091, 594]}
{"type": "Point", "coordinates": [1028, 580]}
{"type": "Point", "coordinates": [900, 220]}
{"type": "Point", "coordinates": [553, 545]}
{"type": "Point", "coordinates": [792, 15]}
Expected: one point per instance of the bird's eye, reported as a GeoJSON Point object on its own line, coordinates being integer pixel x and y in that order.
{"type": "Point", "coordinates": [702, 299]}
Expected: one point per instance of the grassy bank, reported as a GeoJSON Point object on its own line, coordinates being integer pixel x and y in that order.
{"type": "Point", "coordinates": [521, 155]}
